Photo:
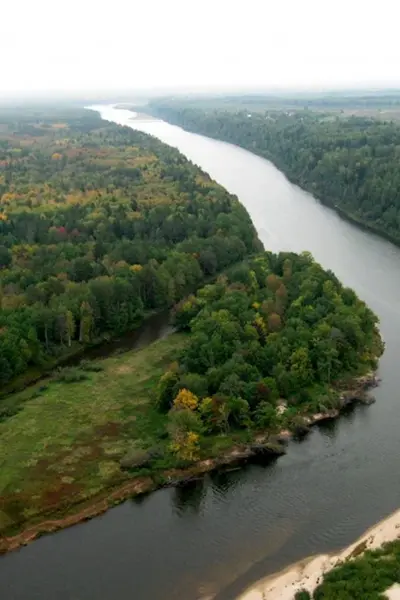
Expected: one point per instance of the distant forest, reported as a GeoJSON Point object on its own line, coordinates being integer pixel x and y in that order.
{"type": "Point", "coordinates": [372, 103]}
{"type": "Point", "coordinates": [349, 163]}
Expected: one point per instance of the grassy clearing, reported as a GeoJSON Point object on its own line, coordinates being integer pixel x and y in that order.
{"type": "Point", "coordinates": [65, 445]}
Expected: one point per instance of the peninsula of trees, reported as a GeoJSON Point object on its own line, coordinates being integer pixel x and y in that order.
{"type": "Point", "coordinates": [349, 163]}
{"type": "Point", "coordinates": [268, 344]}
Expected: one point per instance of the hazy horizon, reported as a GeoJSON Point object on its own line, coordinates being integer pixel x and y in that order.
{"type": "Point", "coordinates": [207, 47]}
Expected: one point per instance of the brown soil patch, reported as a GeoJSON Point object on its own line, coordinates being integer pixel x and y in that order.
{"type": "Point", "coordinates": [41, 466]}
{"type": "Point", "coordinates": [138, 486]}
{"type": "Point", "coordinates": [123, 370]}
{"type": "Point", "coordinates": [60, 494]}
{"type": "Point", "coordinates": [110, 429]}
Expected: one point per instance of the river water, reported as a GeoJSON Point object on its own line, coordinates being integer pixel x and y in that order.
{"type": "Point", "coordinates": [212, 539]}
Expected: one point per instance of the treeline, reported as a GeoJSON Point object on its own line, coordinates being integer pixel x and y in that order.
{"type": "Point", "coordinates": [349, 163]}
{"type": "Point", "coordinates": [277, 327]}
{"type": "Point", "coordinates": [317, 101]}
{"type": "Point", "coordinates": [99, 225]}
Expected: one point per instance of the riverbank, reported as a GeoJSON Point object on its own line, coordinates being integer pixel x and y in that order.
{"type": "Point", "coordinates": [301, 182]}
{"type": "Point", "coordinates": [263, 448]}
{"type": "Point", "coordinates": [142, 485]}
{"type": "Point", "coordinates": [308, 573]}
{"type": "Point", "coordinates": [344, 214]}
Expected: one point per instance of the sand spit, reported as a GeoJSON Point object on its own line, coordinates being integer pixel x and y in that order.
{"type": "Point", "coordinates": [308, 573]}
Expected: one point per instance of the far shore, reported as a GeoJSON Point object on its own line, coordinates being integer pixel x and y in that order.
{"type": "Point", "coordinates": [136, 115]}
{"type": "Point", "coordinates": [308, 573]}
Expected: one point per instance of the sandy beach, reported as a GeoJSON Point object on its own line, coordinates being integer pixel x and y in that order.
{"type": "Point", "coordinates": [307, 574]}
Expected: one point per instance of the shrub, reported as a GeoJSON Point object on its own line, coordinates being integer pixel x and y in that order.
{"type": "Point", "coordinates": [184, 427]}
{"type": "Point", "coordinates": [302, 595]}
{"type": "Point", "coordinates": [166, 390]}
{"type": "Point", "coordinates": [70, 375]}
{"type": "Point", "coordinates": [39, 391]}
{"type": "Point", "coordinates": [299, 427]}
{"type": "Point", "coordinates": [184, 312]}
{"type": "Point", "coordinates": [239, 412]}
{"type": "Point", "coordinates": [91, 367]}
{"type": "Point", "coordinates": [197, 384]}
{"type": "Point", "coordinates": [135, 459]}
{"type": "Point", "coordinates": [265, 415]}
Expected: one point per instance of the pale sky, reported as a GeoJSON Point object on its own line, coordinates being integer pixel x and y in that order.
{"type": "Point", "coordinates": [113, 44]}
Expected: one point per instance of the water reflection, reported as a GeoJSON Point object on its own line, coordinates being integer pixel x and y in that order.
{"type": "Point", "coordinates": [188, 498]}
{"type": "Point", "coordinates": [141, 499]}
{"type": "Point", "coordinates": [225, 481]}
{"type": "Point", "coordinates": [330, 427]}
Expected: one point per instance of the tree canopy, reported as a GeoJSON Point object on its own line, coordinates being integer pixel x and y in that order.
{"type": "Point", "coordinates": [99, 225]}
{"type": "Point", "coordinates": [348, 163]}
{"type": "Point", "coordinates": [275, 329]}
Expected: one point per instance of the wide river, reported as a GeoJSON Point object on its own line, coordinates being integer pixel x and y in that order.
{"type": "Point", "coordinates": [214, 538]}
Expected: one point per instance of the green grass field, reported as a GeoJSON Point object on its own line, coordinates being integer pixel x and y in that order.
{"type": "Point", "coordinates": [64, 445]}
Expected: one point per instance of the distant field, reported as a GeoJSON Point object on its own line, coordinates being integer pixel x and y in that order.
{"type": "Point", "coordinates": [384, 106]}
{"type": "Point", "coordinates": [388, 114]}
{"type": "Point", "coordinates": [65, 445]}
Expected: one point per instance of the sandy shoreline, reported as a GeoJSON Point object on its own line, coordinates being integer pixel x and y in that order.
{"type": "Point", "coordinates": [307, 574]}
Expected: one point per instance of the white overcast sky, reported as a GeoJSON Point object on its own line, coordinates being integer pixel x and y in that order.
{"type": "Point", "coordinates": [114, 44]}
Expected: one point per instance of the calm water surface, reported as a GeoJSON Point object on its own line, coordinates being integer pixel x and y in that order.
{"type": "Point", "coordinates": [213, 538]}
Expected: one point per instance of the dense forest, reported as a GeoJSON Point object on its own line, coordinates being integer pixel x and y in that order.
{"type": "Point", "coordinates": [268, 341]}
{"type": "Point", "coordinates": [348, 163]}
{"type": "Point", "coordinates": [100, 225]}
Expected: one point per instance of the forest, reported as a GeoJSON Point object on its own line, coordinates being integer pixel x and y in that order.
{"type": "Point", "coordinates": [349, 163]}
{"type": "Point", "coordinates": [100, 225]}
{"type": "Point", "coordinates": [268, 342]}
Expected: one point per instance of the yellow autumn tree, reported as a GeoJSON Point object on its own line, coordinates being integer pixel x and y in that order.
{"type": "Point", "coordinates": [184, 428]}
{"type": "Point", "coordinates": [186, 446]}
{"type": "Point", "coordinates": [260, 325]}
{"type": "Point", "coordinates": [136, 268]}
{"type": "Point", "coordinates": [186, 399]}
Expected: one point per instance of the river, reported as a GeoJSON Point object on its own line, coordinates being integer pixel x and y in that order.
{"type": "Point", "coordinates": [213, 538]}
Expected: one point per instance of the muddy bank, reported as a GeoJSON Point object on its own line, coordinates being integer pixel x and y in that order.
{"type": "Point", "coordinates": [265, 447]}
{"type": "Point", "coordinates": [261, 449]}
